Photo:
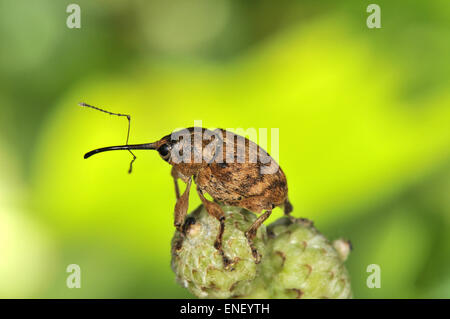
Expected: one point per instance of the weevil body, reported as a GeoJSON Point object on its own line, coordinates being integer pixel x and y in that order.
{"type": "Point", "coordinates": [230, 168]}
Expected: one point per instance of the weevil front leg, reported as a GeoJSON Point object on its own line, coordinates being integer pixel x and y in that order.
{"type": "Point", "coordinates": [214, 210]}
{"type": "Point", "coordinates": [251, 234]}
{"type": "Point", "coordinates": [175, 176]}
{"type": "Point", "coordinates": [181, 207]}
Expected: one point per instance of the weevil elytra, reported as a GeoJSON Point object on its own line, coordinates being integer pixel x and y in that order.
{"type": "Point", "coordinates": [230, 168]}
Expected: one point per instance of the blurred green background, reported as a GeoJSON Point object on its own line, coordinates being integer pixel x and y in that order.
{"type": "Point", "coordinates": [364, 118]}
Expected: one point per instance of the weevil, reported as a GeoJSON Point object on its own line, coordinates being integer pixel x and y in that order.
{"type": "Point", "coordinates": [230, 168]}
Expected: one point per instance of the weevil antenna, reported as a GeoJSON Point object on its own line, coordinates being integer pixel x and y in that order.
{"type": "Point", "coordinates": [128, 131]}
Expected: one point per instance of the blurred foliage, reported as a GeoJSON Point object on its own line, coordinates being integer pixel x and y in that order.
{"type": "Point", "coordinates": [363, 115]}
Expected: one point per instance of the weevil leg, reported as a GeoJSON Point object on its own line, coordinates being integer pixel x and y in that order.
{"type": "Point", "coordinates": [251, 233]}
{"type": "Point", "coordinates": [214, 210]}
{"type": "Point", "coordinates": [181, 207]}
{"type": "Point", "coordinates": [288, 209]}
{"type": "Point", "coordinates": [175, 176]}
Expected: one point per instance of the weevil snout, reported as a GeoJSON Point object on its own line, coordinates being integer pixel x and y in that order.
{"type": "Point", "coordinates": [146, 146]}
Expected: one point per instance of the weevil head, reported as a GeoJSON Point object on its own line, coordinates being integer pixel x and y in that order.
{"type": "Point", "coordinates": [184, 150]}
{"type": "Point", "coordinates": [178, 150]}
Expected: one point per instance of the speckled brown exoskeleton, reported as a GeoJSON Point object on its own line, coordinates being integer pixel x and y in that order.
{"type": "Point", "coordinates": [230, 168]}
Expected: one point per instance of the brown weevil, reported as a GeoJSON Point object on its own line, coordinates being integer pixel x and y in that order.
{"type": "Point", "coordinates": [230, 168]}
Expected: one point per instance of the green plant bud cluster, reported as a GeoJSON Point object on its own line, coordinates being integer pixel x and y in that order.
{"type": "Point", "coordinates": [295, 260]}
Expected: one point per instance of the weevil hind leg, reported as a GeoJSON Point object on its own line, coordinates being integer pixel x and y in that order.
{"type": "Point", "coordinates": [287, 207]}
{"type": "Point", "coordinates": [216, 211]}
{"type": "Point", "coordinates": [181, 207]}
{"type": "Point", "coordinates": [251, 234]}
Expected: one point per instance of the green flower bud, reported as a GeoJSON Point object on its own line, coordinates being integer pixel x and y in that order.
{"type": "Point", "coordinates": [302, 263]}
{"type": "Point", "coordinates": [200, 267]}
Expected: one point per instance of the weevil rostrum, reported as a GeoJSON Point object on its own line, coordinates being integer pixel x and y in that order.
{"type": "Point", "coordinates": [230, 168]}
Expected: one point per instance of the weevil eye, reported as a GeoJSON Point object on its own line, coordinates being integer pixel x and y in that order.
{"type": "Point", "coordinates": [164, 151]}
